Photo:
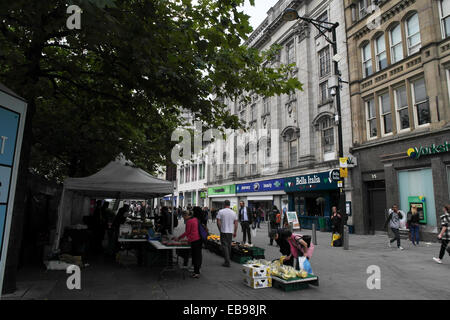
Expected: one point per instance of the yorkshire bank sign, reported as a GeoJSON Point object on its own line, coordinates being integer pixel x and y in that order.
{"type": "Point", "coordinates": [417, 152]}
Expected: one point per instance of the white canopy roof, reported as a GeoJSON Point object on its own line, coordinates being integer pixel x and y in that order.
{"type": "Point", "coordinates": [120, 179]}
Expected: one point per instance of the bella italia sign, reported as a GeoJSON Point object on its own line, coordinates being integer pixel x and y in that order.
{"type": "Point", "coordinates": [310, 182]}
{"type": "Point", "coordinates": [417, 152]}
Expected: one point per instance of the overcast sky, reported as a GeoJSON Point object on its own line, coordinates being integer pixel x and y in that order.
{"type": "Point", "coordinates": [258, 12]}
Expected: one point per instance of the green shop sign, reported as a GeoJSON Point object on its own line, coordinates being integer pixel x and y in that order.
{"type": "Point", "coordinates": [417, 152]}
{"type": "Point", "coordinates": [230, 189]}
{"type": "Point", "coordinates": [202, 194]}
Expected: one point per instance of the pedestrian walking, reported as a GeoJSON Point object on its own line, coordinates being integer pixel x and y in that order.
{"type": "Point", "coordinates": [393, 219]}
{"type": "Point", "coordinates": [444, 235]}
{"type": "Point", "coordinates": [227, 223]}
{"type": "Point", "coordinates": [261, 215]}
{"type": "Point", "coordinates": [193, 236]}
{"type": "Point", "coordinates": [413, 225]}
{"type": "Point", "coordinates": [254, 217]}
{"type": "Point", "coordinates": [274, 221]}
{"type": "Point", "coordinates": [245, 218]}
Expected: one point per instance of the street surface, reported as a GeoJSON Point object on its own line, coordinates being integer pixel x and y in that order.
{"type": "Point", "coordinates": [408, 274]}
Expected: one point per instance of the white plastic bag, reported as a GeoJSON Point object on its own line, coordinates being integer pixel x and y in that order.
{"type": "Point", "coordinates": [253, 232]}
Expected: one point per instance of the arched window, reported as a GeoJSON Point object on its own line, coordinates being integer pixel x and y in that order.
{"type": "Point", "coordinates": [413, 34]}
{"type": "Point", "coordinates": [290, 135]}
{"type": "Point", "coordinates": [366, 54]}
{"type": "Point", "coordinates": [327, 133]}
{"type": "Point", "coordinates": [380, 52]}
{"type": "Point", "coordinates": [395, 40]}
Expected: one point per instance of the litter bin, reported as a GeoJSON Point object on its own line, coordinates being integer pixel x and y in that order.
{"type": "Point", "coordinates": [321, 224]}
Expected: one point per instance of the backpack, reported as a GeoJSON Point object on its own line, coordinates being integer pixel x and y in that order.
{"type": "Point", "coordinates": [278, 218]}
{"type": "Point", "coordinates": [202, 231]}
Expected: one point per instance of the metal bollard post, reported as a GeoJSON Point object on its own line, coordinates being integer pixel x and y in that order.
{"type": "Point", "coordinates": [314, 235]}
{"type": "Point", "coordinates": [291, 227]}
{"type": "Point", "coordinates": [346, 237]}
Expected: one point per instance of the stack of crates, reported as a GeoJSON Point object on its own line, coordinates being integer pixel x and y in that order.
{"type": "Point", "coordinates": [257, 276]}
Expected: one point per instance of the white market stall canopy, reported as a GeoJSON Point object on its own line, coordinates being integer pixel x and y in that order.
{"type": "Point", "coordinates": [120, 179]}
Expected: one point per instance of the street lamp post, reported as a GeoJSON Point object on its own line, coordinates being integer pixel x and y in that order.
{"type": "Point", "coordinates": [291, 14]}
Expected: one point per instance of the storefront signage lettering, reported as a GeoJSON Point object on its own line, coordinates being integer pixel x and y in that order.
{"type": "Point", "coordinates": [261, 186]}
{"type": "Point", "coordinates": [417, 152]}
{"type": "Point", "coordinates": [230, 189]}
{"type": "Point", "coordinates": [3, 144]}
{"type": "Point", "coordinates": [316, 181]}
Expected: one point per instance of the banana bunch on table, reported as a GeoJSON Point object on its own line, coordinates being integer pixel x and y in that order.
{"type": "Point", "coordinates": [285, 272]}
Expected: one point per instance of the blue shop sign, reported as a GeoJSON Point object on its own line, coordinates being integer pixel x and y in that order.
{"type": "Point", "coordinates": [310, 182]}
{"type": "Point", "coordinates": [9, 123]}
{"type": "Point", "coordinates": [261, 186]}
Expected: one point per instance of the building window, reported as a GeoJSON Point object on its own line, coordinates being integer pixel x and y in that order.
{"type": "Point", "coordinates": [181, 176]}
{"type": "Point", "coordinates": [253, 113]}
{"type": "Point", "coordinates": [194, 173]}
{"type": "Point", "coordinates": [445, 17]}
{"type": "Point", "coordinates": [367, 60]}
{"type": "Point", "coordinates": [396, 44]}
{"type": "Point", "coordinates": [413, 34]}
{"type": "Point", "coordinates": [324, 18]}
{"type": "Point", "coordinates": [362, 7]}
{"type": "Point", "coordinates": [401, 105]}
{"type": "Point", "coordinates": [291, 53]}
{"type": "Point", "coordinates": [266, 105]}
{"type": "Point", "coordinates": [324, 61]}
{"type": "Point", "coordinates": [188, 174]}
{"type": "Point", "coordinates": [421, 105]}
{"type": "Point", "coordinates": [323, 89]}
{"type": "Point", "coordinates": [293, 154]}
{"type": "Point", "coordinates": [201, 169]}
{"type": "Point", "coordinates": [380, 48]}
{"type": "Point", "coordinates": [371, 119]}
{"type": "Point", "coordinates": [327, 130]}
{"type": "Point", "coordinates": [253, 161]}
{"type": "Point", "coordinates": [386, 115]}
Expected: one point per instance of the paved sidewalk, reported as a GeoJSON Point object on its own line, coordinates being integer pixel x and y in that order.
{"type": "Point", "coordinates": [408, 274]}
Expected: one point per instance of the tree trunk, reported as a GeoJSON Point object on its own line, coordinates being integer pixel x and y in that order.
{"type": "Point", "coordinates": [20, 200]}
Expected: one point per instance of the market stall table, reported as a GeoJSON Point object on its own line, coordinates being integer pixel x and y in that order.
{"type": "Point", "coordinates": [133, 241]}
{"type": "Point", "coordinates": [169, 266]}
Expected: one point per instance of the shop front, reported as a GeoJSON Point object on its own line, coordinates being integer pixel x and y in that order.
{"type": "Point", "coordinates": [263, 194]}
{"type": "Point", "coordinates": [218, 195]}
{"type": "Point", "coordinates": [312, 196]}
{"type": "Point", "coordinates": [413, 173]}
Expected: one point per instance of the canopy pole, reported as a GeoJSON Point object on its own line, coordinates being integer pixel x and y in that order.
{"type": "Point", "coordinates": [60, 221]}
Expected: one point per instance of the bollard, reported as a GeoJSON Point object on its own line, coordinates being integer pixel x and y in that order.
{"type": "Point", "coordinates": [346, 237]}
{"type": "Point", "coordinates": [291, 227]}
{"type": "Point", "coordinates": [314, 236]}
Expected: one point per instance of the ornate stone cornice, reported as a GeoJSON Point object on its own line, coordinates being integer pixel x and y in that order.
{"type": "Point", "coordinates": [392, 12]}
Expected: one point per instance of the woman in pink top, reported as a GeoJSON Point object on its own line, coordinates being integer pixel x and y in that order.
{"type": "Point", "coordinates": [299, 247]}
{"type": "Point", "coordinates": [194, 239]}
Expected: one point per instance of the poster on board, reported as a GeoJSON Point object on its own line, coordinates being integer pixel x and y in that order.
{"type": "Point", "coordinates": [292, 217]}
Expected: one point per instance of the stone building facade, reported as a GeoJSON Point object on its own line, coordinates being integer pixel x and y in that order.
{"type": "Point", "coordinates": [399, 66]}
{"type": "Point", "coordinates": [302, 134]}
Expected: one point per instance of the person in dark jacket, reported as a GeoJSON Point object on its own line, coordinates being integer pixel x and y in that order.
{"type": "Point", "coordinates": [273, 222]}
{"type": "Point", "coordinates": [245, 218]}
{"type": "Point", "coordinates": [413, 225]}
{"type": "Point", "coordinates": [336, 220]}
{"type": "Point", "coordinates": [281, 238]}
{"type": "Point", "coordinates": [119, 219]}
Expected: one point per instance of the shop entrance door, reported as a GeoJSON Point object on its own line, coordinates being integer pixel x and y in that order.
{"type": "Point", "coordinates": [377, 205]}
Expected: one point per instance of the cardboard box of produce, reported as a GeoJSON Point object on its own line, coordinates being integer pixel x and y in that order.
{"type": "Point", "coordinates": [258, 283]}
{"type": "Point", "coordinates": [256, 271]}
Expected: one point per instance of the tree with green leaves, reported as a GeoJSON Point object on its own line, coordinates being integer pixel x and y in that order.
{"type": "Point", "coordinates": [119, 83]}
